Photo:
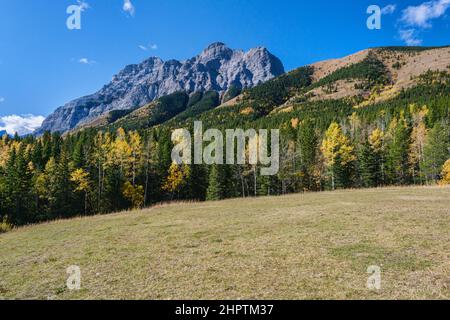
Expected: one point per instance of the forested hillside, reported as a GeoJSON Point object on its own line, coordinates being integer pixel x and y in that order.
{"type": "Point", "coordinates": [379, 133]}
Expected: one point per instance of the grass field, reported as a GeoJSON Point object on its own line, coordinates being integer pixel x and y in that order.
{"type": "Point", "coordinates": [310, 246]}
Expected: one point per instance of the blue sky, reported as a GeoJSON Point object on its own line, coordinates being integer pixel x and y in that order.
{"type": "Point", "coordinates": [43, 64]}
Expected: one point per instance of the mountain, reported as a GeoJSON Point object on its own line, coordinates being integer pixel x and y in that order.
{"type": "Point", "coordinates": [217, 68]}
{"type": "Point", "coordinates": [2, 133]}
{"type": "Point", "coordinates": [372, 79]}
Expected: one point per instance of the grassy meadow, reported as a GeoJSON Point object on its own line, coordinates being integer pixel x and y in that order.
{"type": "Point", "coordinates": [305, 246]}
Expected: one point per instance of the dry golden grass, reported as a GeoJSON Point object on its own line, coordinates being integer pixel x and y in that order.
{"type": "Point", "coordinates": [310, 246]}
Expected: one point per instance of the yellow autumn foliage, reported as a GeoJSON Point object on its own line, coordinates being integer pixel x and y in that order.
{"type": "Point", "coordinates": [446, 173]}
{"type": "Point", "coordinates": [336, 144]}
{"type": "Point", "coordinates": [134, 194]}
{"type": "Point", "coordinates": [81, 180]}
{"type": "Point", "coordinates": [178, 174]}
{"type": "Point", "coordinates": [376, 140]}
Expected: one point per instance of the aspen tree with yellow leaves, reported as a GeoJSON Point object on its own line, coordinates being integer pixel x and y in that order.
{"type": "Point", "coordinates": [135, 194]}
{"type": "Point", "coordinates": [177, 178]}
{"type": "Point", "coordinates": [446, 173]}
{"type": "Point", "coordinates": [82, 184]}
{"type": "Point", "coordinates": [337, 152]}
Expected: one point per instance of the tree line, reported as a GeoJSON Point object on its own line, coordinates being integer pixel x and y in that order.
{"type": "Point", "coordinates": [101, 171]}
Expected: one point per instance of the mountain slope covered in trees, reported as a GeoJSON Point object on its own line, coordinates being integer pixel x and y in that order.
{"type": "Point", "coordinates": [378, 118]}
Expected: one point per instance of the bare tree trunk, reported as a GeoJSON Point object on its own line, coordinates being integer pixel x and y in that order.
{"type": "Point", "coordinates": [147, 165]}
{"type": "Point", "coordinates": [255, 182]}
{"type": "Point", "coordinates": [99, 186]}
{"type": "Point", "coordinates": [85, 202]}
{"type": "Point", "coordinates": [333, 186]}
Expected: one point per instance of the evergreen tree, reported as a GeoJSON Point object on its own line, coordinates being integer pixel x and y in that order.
{"type": "Point", "coordinates": [197, 183]}
{"type": "Point", "coordinates": [37, 156]}
{"type": "Point", "coordinates": [214, 191]}
{"type": "Point", "coordinates": [307, 141]}
{"type": "Point", "coordinates": [368, 166]}
{"type": "Point", "coordinates": [220, 184]}
{"type": "Point", "coordinates": [19, 193]}
{"type": "Point", "coordinates": [63, 188]}
{"type": "Point", "coordinates": [78, 157]}
{"type": "Point", "coordinates": [436, 151]}
{"type": "Point", "coordinates": [397, 165]}
{"type": "Point", "coordinates": [46, 147]}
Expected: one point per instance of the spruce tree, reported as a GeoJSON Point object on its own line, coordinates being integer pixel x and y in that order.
{"type": "Point", "coordinates": [307, 146]}
{"type": "Point", "coordinates": [19, 182]}
{"type": "Point", "coordinates": [63, 188]}
{"type": "Point", "coordinates": [220, 184]}
{"type": "Point", "coordinates": [436, 151]}
{"type": "Point", "coordinates": [214, 191]}
{"type": "Point", "coordinates": [368, 166]}
{"type": "Point", "coordinates": [397, 165]}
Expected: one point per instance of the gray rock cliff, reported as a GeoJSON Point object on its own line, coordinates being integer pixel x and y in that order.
{"type": "Point", "coordinates": [216, 68]}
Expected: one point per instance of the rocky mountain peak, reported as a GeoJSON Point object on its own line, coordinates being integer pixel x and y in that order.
{"type": "Point", "coordinates": [216, 47]}
{"type": "Point", "coordinates": [216, 51]}
{"type": "Point", "coordinates": [216, 68]}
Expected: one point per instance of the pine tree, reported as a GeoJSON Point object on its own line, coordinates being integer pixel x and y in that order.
{"type": "Point", "coordinates": [436, 151]}
{"type": "Point", "coordinates": [220, 184]}
{"type": "Point", "coordinates": [19, 182]}
{"type": "Point", "coordinates": [368, 166]}
{"type": "Point", "coordinates": [78, 157]}
{"type": "Point", "coordinates": [37, 156]}
{"type": "Point", "coordinates": [56, 141]}
{"type": "Point", "coordinates": [307, 141]}
{"type": "Point", "coordinates": [267, 185]}
{"type": "Point", "coordinates": [62, 188]}
{"type": "Point", "coordinates": [197, 183]}
{"type": "Point", "coordinates": [10, 183]}
{"type": "Point", "coordinates": [397, 165]}
{"type": "Point", "coordinates": [214, 191]}
{"type": "Point", "coordinates": [46, 148]}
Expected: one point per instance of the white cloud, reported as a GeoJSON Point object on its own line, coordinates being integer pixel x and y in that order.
{"type": "Point", "coordinates": [389, 9]}
{"type": "Point", "coordinates": [86, 61]}
{"type": "Point", "coordinates": [128, 7]}
{"type": "Point", "coordinates": [416, 18]}
{"type": "Point", "coordinates": [24, 124]}
{"type": "Point", "coordinates": [420, 16]}
{"type": "Point", "coordinates": [409, 37]}
{"type": "Point", "coordinates": [149, 47]}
